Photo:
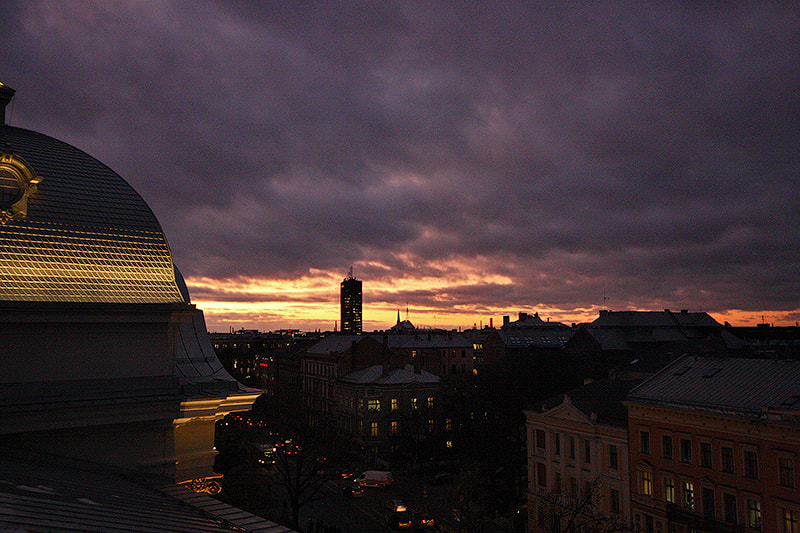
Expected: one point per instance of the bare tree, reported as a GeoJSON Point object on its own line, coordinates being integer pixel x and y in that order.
{"type": "Point", "coordinates": [480, 505]}
{"type": "Point", "coordinates": [562, 513]}
{"type": "Point", "coordinates": [311, 448]}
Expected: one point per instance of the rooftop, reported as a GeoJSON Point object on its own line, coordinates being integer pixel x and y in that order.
{"type": "Point", "coordinates": [746, 387]}
{"type": "Point", "coordinates": [374, 375]}
{"type": "Point", "coordinates": [53, 494]}
{"type": "Point", "coordinates": [72, 230]}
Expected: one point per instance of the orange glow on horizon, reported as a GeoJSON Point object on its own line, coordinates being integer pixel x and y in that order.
{"type": "Point", "coordinates": [311, 303]}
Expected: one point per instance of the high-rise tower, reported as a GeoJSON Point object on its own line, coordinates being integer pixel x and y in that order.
{"type": "Point", "coordinates": [350, 298]}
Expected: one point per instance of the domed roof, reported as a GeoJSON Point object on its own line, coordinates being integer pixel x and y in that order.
{"type": "Point", "coordinates": [72, 230]}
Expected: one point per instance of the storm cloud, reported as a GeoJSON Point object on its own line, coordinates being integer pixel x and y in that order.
{"type": "Point", "coordinates": [466, 159]}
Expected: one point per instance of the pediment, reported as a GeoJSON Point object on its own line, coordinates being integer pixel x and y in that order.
{"type": "Point", "coordinates": [567, 411]}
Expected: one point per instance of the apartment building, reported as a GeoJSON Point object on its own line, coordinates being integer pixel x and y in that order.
{"type": "Point", "coordinates": [578, 457]}
{"type": "Point", "coordinates": [714, 446]}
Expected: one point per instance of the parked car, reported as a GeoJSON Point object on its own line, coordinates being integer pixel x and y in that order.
{"type": "Point", "coordinates": [352, 489]}
{"type": "Point", "coordinates": [395, 506]}
{"type": "Point", "coordinates": [423, 520]}
{"type": "Point", "coordinates": [399, 521]}
{"type": "Point", "coordinates": [374, 478]}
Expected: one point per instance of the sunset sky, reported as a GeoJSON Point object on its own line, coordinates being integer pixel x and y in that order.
{"type": "Point", "coordinates": [467, 160]}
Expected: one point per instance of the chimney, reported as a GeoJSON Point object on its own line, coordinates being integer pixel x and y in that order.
{"type": "Point", "coordinates": [506, 320]}
{"type": "Point", "coordinates": [6, 94]}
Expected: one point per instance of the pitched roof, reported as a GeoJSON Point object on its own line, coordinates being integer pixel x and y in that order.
{"type": "Point", "coordinates": [52, 494]}
{"type": "Point", "coordinates": [374, 375]}
{"type": "Point", "coordinates": [665, 318]}
{"type": "Point", "coordinates": [523, 337]}
{"type": "Point", "coordinates": [333, 344]}
{"type": "Point", "coordinates": [747, 387]}
{"type": "Point", "coordinates": [602, 398]}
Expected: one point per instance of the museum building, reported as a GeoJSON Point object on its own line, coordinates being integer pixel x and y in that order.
{"type": "Point", "coordinates": [103, 357]}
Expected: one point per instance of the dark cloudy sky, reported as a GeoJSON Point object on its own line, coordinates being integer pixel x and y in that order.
{"type": "Point", "coordinates": [468, 160]}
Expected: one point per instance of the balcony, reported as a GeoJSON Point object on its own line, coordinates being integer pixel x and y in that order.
{"type": "Point", "coordinates": [694, 520]}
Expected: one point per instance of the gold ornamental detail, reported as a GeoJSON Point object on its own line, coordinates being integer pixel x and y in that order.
{"type": "Point", "coordinates": [18, 182]}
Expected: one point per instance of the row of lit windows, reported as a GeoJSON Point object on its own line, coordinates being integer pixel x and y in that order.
{"type": "Point", "coordinates": [685, 495]}
{"type": "Point", "coordinates": [394, 427]}
{"type": "Point", "coordinates": [394, 404]}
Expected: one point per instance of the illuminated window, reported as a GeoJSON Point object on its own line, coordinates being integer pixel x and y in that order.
{"type": "Point", "coordinates": [430, 402]}
{"type": "Point", "coordinates": [754, 513]}
{"type": "Point", "coordinates": [414, 403]}
{"type": "Point", "coordinates": [373, 429]}
{"type": "Point", "coordinates": [395, 427]}
{"type": "Point", "coordinates": [789, 521]}
{"type": "Point", "coordinates": [448, 424]}
{"type": "Point", "coordinates": [646, 483]}
{"type": "Point", "coordinates": [669, 490]}
{"type": "Point", "coordinates": [448, 444]}
{"type": "Point", "coordinates": [430, 425]}
{"type": "Point", "coordinates": [688, 495]}
{"type": "Point", "coordinates": [394, 404]}
{"type": "Point", "coordinates": [373, 405]}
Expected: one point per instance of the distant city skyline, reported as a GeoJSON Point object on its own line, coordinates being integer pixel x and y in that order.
{"type": "Point", "coordinates": [468, 161]}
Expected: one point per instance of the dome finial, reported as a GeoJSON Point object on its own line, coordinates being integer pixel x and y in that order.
{"type": "Point", "coordinates": [6, 94]}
